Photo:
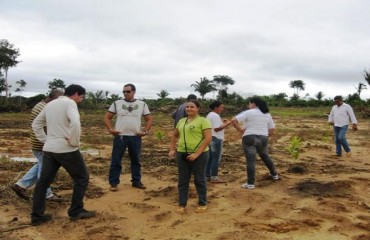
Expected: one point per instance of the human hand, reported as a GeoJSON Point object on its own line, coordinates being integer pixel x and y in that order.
{"type": "Point", "coordinates": [191, 157]}
{"type": "Point", "coordinates": [354, 127]}
{"type": "Point", "coordinates": [172, 154]}
{"type": "Point", "coordinates": [114, 132]}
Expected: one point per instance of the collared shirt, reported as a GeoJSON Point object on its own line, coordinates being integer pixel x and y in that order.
{"type": "Point", "coordinates": [340, 115]}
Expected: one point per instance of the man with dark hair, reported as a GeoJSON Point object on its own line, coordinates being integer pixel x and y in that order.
{"type": "Point", "coordinates": [127, 134]}
{"type": "Point", "coordinates": [30, 178]}
{"type": "Point", "coordinates": [180, 111]}
{"type": "Point", "coordinates": [61, 148]}
{"type": "Point", "coordinates": [339, 117]}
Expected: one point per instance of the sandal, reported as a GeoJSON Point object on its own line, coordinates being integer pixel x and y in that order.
{"type": "Point", "coordinates": [180, 210]}
{"type": "Point", "coordinates": [201, 209]}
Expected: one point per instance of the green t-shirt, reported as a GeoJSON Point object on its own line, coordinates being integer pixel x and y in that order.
{"type": "Point", "coordinates": [191, 133]}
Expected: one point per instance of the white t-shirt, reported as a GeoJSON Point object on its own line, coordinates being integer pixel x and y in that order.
{"type": "Point", "coordinates": [341, 115]}
{"type": "Point", "coordinates": [216, 122]}
{"type": "Point", "coordinates": [129, 115]}
{"type": "Point", "coordinates": [256, 122]}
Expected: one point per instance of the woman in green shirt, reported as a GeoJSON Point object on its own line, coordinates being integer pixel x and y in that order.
{"type": "Point", "coordinates": [192, 135]}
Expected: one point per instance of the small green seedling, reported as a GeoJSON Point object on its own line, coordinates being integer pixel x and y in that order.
{"type": "Point", "coordinates": [294, 147]}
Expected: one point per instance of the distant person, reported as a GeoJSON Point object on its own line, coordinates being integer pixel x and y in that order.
{"type": "Point", "coordinates": [258, 127]}
{"type": "Point", "coordinates": [61, 148]}
{"type": "Point", "coordinates": [127, 134]}
{"type": "Point", "coordinates": [215, 147]}
{"type": "Point", "coordinates": [180, 112]}
{"type": "Point", "coordinates": [193, 135]}
{"type": "Point", "coordinates": [339, 117]}
{"type": "Point", "coordinates": [30, 178]}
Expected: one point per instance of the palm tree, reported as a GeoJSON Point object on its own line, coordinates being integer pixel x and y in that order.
{"type": "Point", "coordinates": [21, 84]}
{"type": "Point", "coordinates": [163, 94]}
{"type": "Point", "coordinates": [367, 76]}
{"type": "Point", "coordinates": [319, 95]}
{"type": "Point", "coordinates": [204, 86]}
{"type": "Point", "coordinates": [298, 85]}
{"type": "Point", "coordinates": [96, 97]}
{"type": "Point", "coordinates": [361, 86]}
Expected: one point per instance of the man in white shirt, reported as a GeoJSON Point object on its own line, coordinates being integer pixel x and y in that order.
{"type": "Point", "coordinates": [127, 134]}
{"type": "Point", "coordinates": [339, 117]}
{"type": "Point", "coordinates": [61, 148]}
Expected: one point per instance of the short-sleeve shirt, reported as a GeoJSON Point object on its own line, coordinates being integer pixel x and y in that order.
{"type": "Point", "coordinates": [256, 122]}
{"type": "Point", "coordinates": [216, 122]}
{"type": "Point", "coordinates": [129, 115]}
{"type": "Point", "coordinates": [191, 133]}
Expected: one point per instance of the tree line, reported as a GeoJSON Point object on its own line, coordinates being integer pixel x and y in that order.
{"type": "Point", "coordinates": [218, 85]}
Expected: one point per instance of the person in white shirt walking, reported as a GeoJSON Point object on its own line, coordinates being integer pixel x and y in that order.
{"type": "Point", "coordinates": [215, 146]}
{"type": "Point", "coordinates": [339, 117]}
{"type": "Point", "coordinates": [61, 148]}
{"type": "Point", "coordinates": [258, 127]}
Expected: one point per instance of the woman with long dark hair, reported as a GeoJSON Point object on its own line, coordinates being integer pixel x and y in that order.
{"type": "Point", "coordinates": [258, 126]}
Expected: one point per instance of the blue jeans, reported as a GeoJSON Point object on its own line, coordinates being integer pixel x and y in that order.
{"type": "Point", "coordinates": [30, 178]}
{"type": "Point", "coordinates": [215, 152]}
{"type": "Point", "coordinates": [185, 168]}
{"type": "Point", "coordinates": [340, 139]}
{"type": "Point", "coordinates": [120, 143]}
{"type": "Point", "coordinates": [253, 144]}
{"type": "Point", "coordinates": [74, 164]}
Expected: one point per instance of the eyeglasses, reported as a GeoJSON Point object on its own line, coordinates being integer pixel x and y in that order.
{"type": "Point", "coordinates": [124, 91]}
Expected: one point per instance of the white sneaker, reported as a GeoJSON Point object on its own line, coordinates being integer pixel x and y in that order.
{"type": "Point", "coordinates": [248, 186]}
{"type": "Point", "coordinates": [275, 177]}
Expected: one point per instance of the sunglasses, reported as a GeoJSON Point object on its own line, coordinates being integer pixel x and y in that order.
{"type": "Point", "coordinates": [126, 91]}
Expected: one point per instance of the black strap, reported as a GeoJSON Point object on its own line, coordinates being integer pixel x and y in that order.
{"type": "Point", "coordinates": [186, 148]}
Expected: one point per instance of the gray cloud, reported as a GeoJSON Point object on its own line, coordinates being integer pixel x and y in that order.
{"type": "Point", "coordinates": [170, 44]}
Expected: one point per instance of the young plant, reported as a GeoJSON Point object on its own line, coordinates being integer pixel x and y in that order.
{"type": "Point", "coordinates": [294, 147]}
{"type": "Point", "coordinates": [160, 135]}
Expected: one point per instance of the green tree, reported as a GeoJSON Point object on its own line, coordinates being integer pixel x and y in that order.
{"type": "Point", "coordinates": [56, 83]}
{"type": "Point", "coordinates": [204, 86]}
{"type": "Point", "coordinates": [360, 87]}
{"type": "Point", "coordinates": [298, 85]}
{"type": "Point", "coordinates": [8, 59]}
{"type": "Point", "coordinates": [163, 94]}
{"type": "Point", "coordinates": [21, 85]}
{"type": "Point", "coordinates": [320, 95]}
{"type": "Point", "coordinates": [367, 76]}
{"type": "Point", "coordinates": [280, 98]}
{"type": "Point", "coordinates": [97, 97]}
{"type": "Point", "coordinates": [2, 84]}
{"type": "Point", "coordinates": [222, 81]}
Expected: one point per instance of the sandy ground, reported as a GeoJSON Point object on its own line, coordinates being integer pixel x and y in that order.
{"type": "Point", "coordinates": [318, 196]}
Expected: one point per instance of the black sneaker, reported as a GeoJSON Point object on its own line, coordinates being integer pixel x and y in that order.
{"type": "Point", "coordinates": [36, 221]}
{"type": "Point", "coordinates": [21, 192]}
{"type": "Point", "coordinates": [139, 185]}
{"type": "Point", "coordinates": [83, 215]}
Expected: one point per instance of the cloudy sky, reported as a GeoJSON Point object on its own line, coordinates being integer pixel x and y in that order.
{"type": "Point", "coordinates": [170, 44]}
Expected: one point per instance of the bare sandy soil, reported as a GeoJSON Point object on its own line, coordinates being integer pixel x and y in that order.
{"type": "Point", "coordinates": [318, 196]}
